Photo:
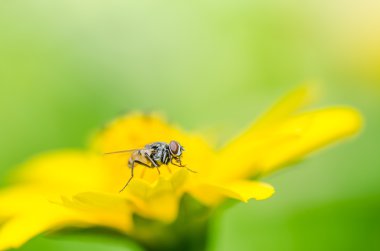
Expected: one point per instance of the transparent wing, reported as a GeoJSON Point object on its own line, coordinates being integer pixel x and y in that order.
{"type": "Point", "coordinates": [123, 151]}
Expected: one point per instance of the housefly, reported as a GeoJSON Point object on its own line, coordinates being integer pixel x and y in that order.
{"type": "Point", "coordinates": [154, 155]}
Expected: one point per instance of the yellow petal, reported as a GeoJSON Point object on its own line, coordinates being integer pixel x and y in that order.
{"type": "Point", "coordinates": [309, 132]}
{"type": "Point", "coordinates": [287, 106]}
{"type": "Point", "coordinates": [214, 193]}
{"type": "Point", "coordinates": [288, 141]}
{"type": "Point", "coordinates": [26, 209]}
{"type": "Point", "coordinates": [20, 229]}
{"type": "Point", "coordinates": [26, 215]}
{"type": "Point", "coordinates": [159, 200]}
{"type": "Point", "coordinates": [101, 209]}
{"type": "Point", "coordinates": [25, 212]}
{"type": "Point", "coordinates": [136, 130]}
{"type": "Point", "coordinates": [14, 199]}
{"type": "Point", "coordinates": [67, 172]}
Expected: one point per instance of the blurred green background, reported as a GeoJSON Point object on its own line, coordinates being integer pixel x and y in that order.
{"type": "Point", "coordinates": [68, 67]}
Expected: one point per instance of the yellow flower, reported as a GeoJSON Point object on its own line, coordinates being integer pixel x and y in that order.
{"type": "Point", "coordinates": [81, 188]}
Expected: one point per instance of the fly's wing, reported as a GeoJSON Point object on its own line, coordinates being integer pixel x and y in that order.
{"type": "Point", "coordinates": [123, 151]}
{"type": "Point", "coordinates": [141, 154]}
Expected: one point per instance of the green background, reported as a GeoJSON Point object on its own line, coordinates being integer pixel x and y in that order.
{"type": "Point", "coordinates": [68, 67]}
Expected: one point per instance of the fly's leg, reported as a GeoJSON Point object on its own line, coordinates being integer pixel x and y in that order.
{"type": "Point", "coordinates": [158, 170]}
{"type": "Point", "coordinates": [153, 162]}
{"type": "Point", "coordinates": [142, 173]}
{"type": "Point", "coordinates": [180, 165]}
{"type": "Point", "coordinates": [132, 165]}
{"type": "Point", "coordinates": [165, 160]}
{"type": "Point", "coordinates": [175, 163]}
{"type": "Point", "coordinates": [169, 170]}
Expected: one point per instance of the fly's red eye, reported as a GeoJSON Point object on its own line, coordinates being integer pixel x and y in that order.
{"type": "Point", "coordinates": [174, 147]}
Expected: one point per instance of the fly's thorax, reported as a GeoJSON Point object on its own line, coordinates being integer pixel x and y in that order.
{"type": "Point", "coordinates": [161, 154]}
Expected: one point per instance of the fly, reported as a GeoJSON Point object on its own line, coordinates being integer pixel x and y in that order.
{"type": "Point", "coordinates": [154, 155]}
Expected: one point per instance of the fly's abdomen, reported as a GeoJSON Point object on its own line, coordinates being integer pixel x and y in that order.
{"type": "Point", "coordinates": [139, 157]}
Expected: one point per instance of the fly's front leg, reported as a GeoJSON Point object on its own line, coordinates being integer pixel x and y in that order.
{"type": "Point", "coordinates": [180, 162]}
{"type": "Point", "coordinates": [169, 170]}
{"type": "Point", "coordinates": [180, 165]}
{"type": "Point", "coordinates": [154, 163]}
{"type": "Point", "coordinates": [165, 160]}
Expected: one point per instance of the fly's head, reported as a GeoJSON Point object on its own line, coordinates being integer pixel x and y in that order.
{"type": "Point", "coordinates": [176, 149]}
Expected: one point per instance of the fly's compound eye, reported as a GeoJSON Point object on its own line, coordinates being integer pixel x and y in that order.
{"type": "Point", "coordinates": [175, 148]}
